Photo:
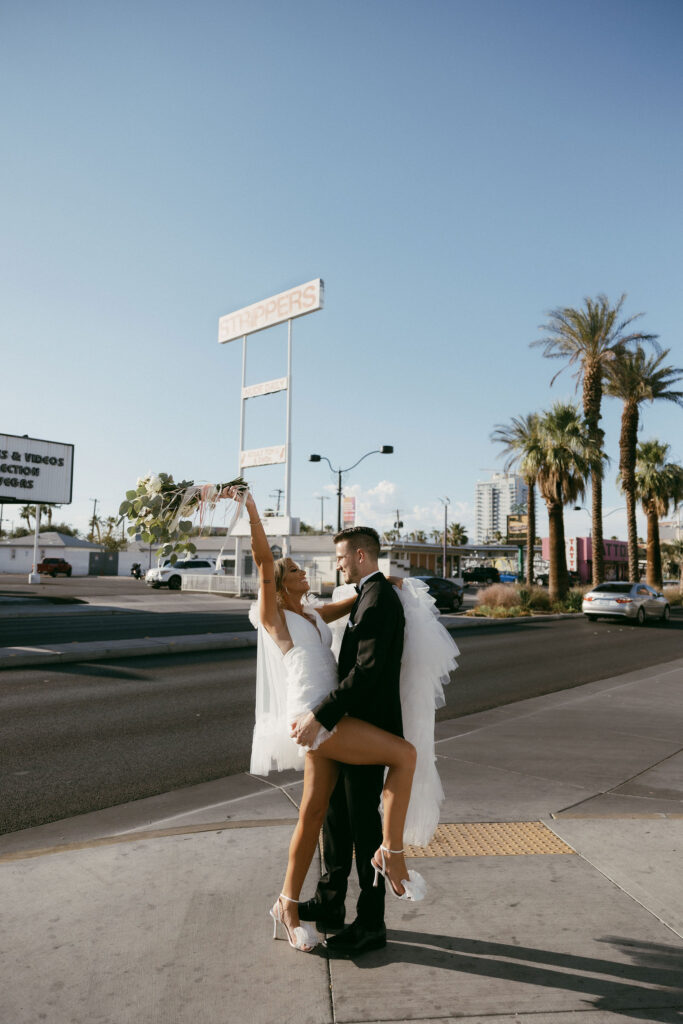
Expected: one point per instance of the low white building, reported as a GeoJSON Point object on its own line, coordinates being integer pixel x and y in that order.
{"type": "Point", "coordinates": [16, 554]}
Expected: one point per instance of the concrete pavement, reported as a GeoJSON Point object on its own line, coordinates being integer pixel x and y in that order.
{"type": "Point", "coordinates": [555, 890]}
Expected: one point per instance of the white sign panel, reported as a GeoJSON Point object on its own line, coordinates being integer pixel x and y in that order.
{"type": "Point", "coordinates": [305, 298]}
{"type": "Point", "coordinates": [274, 526]}
{"type": "Point", "coordinates": [267, 388]}
{"type": "Point", "coordinates": [571, 554]}
{"type": "Point", "coordinates": [263, 456]}
{"type": "Point", "coordinates": [34, 471]}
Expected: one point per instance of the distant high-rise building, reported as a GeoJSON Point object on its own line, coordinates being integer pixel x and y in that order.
{"type": "Point", "coordinates": [493, 503]}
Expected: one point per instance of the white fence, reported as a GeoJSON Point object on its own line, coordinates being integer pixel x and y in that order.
{"type": "Point", "coordinates": [237, 586]}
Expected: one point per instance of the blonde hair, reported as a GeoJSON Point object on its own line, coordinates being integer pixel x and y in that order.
{"type": "Point", "coordinates": [279, 572]}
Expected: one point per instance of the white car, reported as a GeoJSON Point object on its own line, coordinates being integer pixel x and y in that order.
{"type": "Point", "coordinates": [171, 576]}
{"type": "Point", "coordinates": [633, 601]}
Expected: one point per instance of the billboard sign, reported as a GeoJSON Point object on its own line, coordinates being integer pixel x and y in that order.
{"type": "Point", "coordinates": [349, 512]}
{"type": "Point", "coordinates": [305, 298]}
{"type": "Point", "coordinates": [517, 529]}
{"type": "Point", "coordinates": [263, 456]}
{"type": "Point", "coordinates": [571, 554]}
{"type": "Point", "coordinates": [268, 387]}
{"type": "Point", "coordinates": [34, 471]}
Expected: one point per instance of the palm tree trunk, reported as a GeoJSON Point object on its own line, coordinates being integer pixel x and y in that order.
{"type": "Point", "coordinates": [592, 399]}
{"type": "Point", "coordinates": [632, 535]}
{"type": "Point", "coordinates": [654, 552]}
{"type": "Point", "coordinates": [530, 532]}
{"type": "Point", "coordinates": [558, 582]}
{"type": "Point", "coordinates": [596, 529]}
{"type": "Point", "coordinates": [628, 443]}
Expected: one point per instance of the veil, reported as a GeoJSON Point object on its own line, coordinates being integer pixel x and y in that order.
{"type": "Point", "coordinates": [429, 654]}
{"type": "Point", "coordinates": [272, 748]}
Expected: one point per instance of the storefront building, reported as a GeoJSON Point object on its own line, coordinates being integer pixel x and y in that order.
{"type": "Point", "coordinates": [580, 557]}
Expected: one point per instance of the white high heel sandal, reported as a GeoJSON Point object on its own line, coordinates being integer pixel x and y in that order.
{"type": "Point", "coordinates": [414, 886]}
{"type": "Point", "coordinates": [302, 937]}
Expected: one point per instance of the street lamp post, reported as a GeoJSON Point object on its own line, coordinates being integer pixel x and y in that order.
{"type": "Point", "coordinates": [446, 502]}
{"type": "Point", "coordinates": [386, 449]}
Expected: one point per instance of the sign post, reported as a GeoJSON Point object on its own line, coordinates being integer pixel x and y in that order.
{"type": "Point", "coordinates": [517, 534]}
{"type": "Point", "coordinates": [278, 309]}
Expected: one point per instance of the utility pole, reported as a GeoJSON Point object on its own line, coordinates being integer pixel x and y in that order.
{"type": "Point", "coordinates": [278, 492]}
{"type": "Point", "coordinates": [322, 498]}
{"type": "Point", "coordinates": [92, 521]}
{"type": "Point", "coordinates": [446, 502]}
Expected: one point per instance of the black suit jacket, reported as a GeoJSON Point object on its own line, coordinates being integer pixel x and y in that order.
{"type": "Point", "coordinates": [370, 661]}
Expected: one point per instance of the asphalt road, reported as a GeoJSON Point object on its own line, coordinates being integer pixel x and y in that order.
{"type": "Point", "coordinates": [116, 624]}
{"type": "Point", "coordinates": [81, 737]}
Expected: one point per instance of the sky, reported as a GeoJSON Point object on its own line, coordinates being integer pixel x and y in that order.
{"type": "Point", "coordinates": [451, 170]}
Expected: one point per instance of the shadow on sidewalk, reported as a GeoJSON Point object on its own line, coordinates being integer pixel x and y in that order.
{"type": "Point", "coordinates": [648, 988]}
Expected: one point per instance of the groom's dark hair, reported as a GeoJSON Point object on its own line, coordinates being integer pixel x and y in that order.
{"type": "Point", "coordinates": [361, 537]}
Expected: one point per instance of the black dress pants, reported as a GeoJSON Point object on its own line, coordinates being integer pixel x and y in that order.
{"type": "Point", "coordinates": [353, 820]}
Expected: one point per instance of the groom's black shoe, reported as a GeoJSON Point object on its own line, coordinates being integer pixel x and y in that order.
{"type": "Point", "coordinates": [355, 939]}
{"type": "Point", "coordinates": [323, 915]}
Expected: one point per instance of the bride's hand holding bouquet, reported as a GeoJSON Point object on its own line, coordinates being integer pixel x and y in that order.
{"type": "Point", "coordinates": [161, 511]}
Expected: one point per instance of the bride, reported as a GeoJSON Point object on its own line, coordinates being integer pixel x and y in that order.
{"type": "Point", "coordinates": [296, 670]}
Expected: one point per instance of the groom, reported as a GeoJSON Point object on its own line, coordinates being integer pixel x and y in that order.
{"type": "Point", "coordinates": [369, 670]}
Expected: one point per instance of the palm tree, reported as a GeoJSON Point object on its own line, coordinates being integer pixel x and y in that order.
{"type": "Point", "coordinates": [520, 439]}
{"type": "Point", "coordinates": [589, 339]}
{"type": "Point", "coordinates": [27, 512]}
{"type": "Point", "coordinates": [95, 528]}
{"type": "Point", "coordinates": [659, 484]}
{"type": "Point", "coordinates": [49, 510]}
{"type": "Point", "coordinates": [567, 457]}
{"type": "Point", "coordinates": [436, 535]}
{"type": "Point", "coordinates": [636, 378]}
{"type": "Point", "coordinates": [419, 536]}
{"type": "Point", "coordinates": [457, 534]}
{"type": "Point", "coordinates": [674, 551]}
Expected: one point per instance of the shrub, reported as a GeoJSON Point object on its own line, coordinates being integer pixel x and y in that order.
{"type": "Point", "coordinates": [498, 595]}
{"type": "Point", "coordinates": [574, 599]}
{"type": "Point", "coordinates": [674, 595]}
{"type": "Point", "coordinates": [539, 600]}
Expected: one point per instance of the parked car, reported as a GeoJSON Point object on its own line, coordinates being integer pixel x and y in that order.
{"type": "Point", "coordinates": [447, 593]}
{"type": "Point", "coordinates": [481, 574]}
{"type": "Point", "coordinates": [542, 578]}
{"type": "Point", "coordinates": [54, 567]}
{"type": "Point", "coordinates": [509, 577]}
{"type": "Point", "coordinates": [633, 601]}
{"type": "Point", "coordinates": [171, 576]}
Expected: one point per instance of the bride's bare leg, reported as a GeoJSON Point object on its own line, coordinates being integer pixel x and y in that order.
{"type": "Point", "coordinates": [320, 776]}
{"type": "Point", "coordinates": [358, 742]}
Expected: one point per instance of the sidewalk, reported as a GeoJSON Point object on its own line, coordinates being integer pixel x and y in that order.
{"type": "Point", "coordinates": [555, 891]}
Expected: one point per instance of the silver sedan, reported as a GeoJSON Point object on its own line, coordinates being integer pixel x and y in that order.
{"type": "Point", "coordinates": [634, 601]}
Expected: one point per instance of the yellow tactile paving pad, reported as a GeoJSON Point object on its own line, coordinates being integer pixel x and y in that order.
{"type": "Point", "coordinates": [491, 839]}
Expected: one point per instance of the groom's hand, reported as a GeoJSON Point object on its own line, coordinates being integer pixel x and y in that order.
{"type": "Point", "coordinates": [305, 729]}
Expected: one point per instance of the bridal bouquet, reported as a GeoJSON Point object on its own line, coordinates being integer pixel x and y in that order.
{"type": "Point", "coordinates": [161, 510]}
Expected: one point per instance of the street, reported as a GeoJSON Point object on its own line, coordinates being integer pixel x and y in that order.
{"type": "Point", "coordinates": [86, 736]}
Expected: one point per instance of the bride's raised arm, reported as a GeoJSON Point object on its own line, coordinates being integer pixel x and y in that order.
{"type": "Point", "coordinates": [269, 612]}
